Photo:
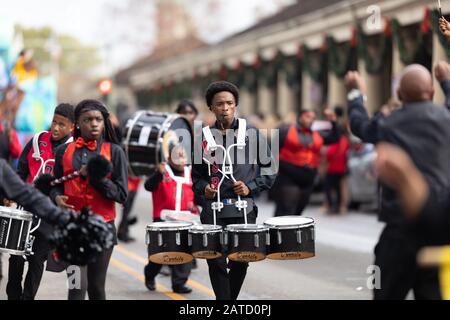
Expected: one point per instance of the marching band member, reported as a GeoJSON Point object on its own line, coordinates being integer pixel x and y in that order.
{"type": "Point", "coordinates": [171, 187]}
{"type": "Point", "coordinates": [102, 182]}
{"type": "Point", "coordinates": [38, 158]}
{"type": "Point", "coordinates": [252, 177]}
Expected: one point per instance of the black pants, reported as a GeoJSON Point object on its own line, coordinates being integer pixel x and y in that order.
{"type": "Point", "coordinates": [227, 284]}
{"type": "Point", "coordinates": [92, 279]}
{"type": "Point", "coordinates": [395, 255]}
{"type": "Point", "coordinates": [180, 273]}
{"type": "Point", "coordinates": [333, 185]}
{"type": "Point", "coordinates": [293, 193]}
{"type": "Point", "coordinates": [35, 271]}
{"type": "Point", "coordinates": [127, 207]}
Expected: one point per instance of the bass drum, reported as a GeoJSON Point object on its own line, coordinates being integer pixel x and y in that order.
{"type": "Point", "coordinates": [149, 137]}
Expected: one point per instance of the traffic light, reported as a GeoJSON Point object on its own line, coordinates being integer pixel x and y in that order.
{"type": "Point", "coordinates": [105, 86]}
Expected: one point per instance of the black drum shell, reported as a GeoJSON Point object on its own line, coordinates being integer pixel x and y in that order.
{"type": "Point", "coordinates": [143, 158]}
{"type": "Point", "coordinates": [214, 248]}
{"type": "Point", "coordinates": [16, 243]}
{"type": "Point", "coordinates": [290, 248]}
{"type": "Point", "coordinates": [246, 251]}
{"type": "Point", "coordinates": [170, 252]}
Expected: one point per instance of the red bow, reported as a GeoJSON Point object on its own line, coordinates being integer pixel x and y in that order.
{"type": "Point", "coordinates": [91, 145]}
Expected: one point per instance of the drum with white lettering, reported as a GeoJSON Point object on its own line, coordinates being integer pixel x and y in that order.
{"type": "Point", "coordinates": [15, 229]}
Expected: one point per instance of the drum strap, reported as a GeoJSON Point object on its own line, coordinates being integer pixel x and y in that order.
{"type": "Point", "coordinates": [186, 179]}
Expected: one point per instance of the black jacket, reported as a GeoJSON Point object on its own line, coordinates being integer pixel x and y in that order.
{"type": "Point", "coordinates": [422, 130]}
{"type": "Point", "coordinates": [13, 188]}
{"type": "Point", "coordinates": [258, 174]}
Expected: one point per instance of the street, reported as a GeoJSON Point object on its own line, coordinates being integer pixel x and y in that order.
{"type": "Point", "coordinates": [344, 252]}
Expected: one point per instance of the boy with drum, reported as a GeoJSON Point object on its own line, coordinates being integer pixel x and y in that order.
{"type": "Point", "coordinates": [36, 159]}
{"type": "Point", "coordinates": [253, 174]}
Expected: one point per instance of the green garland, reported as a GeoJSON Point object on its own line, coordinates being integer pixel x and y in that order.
{"type": "Point", "coordinates": [337, 65]}
{"type": "Point", "coordinates": [373, 66]}
{"type": "Point", "coordinates": [407, 56]}
{"type": "Point", "coordinates": [434, 16]}
{"type": "Point", "coordinates": [316, 75]}
{"type": "Point", "coordinates": [291, 66]}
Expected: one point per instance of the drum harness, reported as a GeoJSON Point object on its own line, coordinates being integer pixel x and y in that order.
{"type": "Point", "coordinates": [227, 169]}
{"type": "Point", "coordinates": [37, 156]}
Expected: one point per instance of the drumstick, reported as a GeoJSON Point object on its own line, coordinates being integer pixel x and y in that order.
{"type": "Point", "coordinates": [208, 162]}
{"type": "Point", "coordinates": [440, 8]}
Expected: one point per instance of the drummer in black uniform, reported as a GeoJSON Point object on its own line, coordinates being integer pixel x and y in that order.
{"type": "Point", "coordinates": [253, 174]}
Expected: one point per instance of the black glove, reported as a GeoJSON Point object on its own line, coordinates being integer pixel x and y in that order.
{"type": "Point", "coordinates": [99, 168]}
{"type": "Point", "coordinates": [43, 183]}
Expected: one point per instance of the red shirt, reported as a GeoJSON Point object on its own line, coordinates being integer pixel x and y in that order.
{"type": "Point", "coordinates": [164, 196]}
{"type": "Point", "coordinates": [294, 152]}
{"type": "Point", "coordinates": [337, 156]}
{"type": "Point", "coordinates": [15, 148]}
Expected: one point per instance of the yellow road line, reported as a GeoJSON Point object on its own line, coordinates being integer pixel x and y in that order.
{"type": "Point", "coordinates": [161, 289]}
{"type": "Point", "coordinates": [142, 260]}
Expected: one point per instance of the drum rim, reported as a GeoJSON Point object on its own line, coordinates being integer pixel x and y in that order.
{"type": "Point", "coordinates": [157, 226]}
{"type": "Point", "coordinates": [234, 228]}
{"type": "Point", "coordinates": [13, 252]}
{"type": "Point", "coordinates": [196, 229]}
{"type": "Point", "coordinates": [15, 213]}
{"type": "Point", "coordinates": [312, 223]}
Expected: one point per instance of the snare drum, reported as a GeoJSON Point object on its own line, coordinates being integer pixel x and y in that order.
{"type": "Point", "coordinates": [247, 243]}
{"type": "Point", "coordinates": [206, 241]}
{"type": "Point", "coordinates": [291, 238]}
{"type": "Point", "coordinates": [15, 229]}
{"type": "Point", "coordinates": [148, 136]}
{"type": "Point", "coordinates": [168, 243]}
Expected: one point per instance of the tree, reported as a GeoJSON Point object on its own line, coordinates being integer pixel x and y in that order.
{"type": "Point", "coordinates": [64, 51]}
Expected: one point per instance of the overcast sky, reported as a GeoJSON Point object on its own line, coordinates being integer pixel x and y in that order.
{"type": "Point", "coordinates": [85, 19]}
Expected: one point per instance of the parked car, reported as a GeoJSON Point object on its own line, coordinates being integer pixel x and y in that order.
{"type": "Point", "coordinates": [362, 181]}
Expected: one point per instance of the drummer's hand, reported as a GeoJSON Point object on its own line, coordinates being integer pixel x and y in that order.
{"type": "Point", "coordinates": [162, 168]}
{"type": "Point", "coordinates": [8, 203]}
{"type": "Point", "coordinates": [61, 201]}
{"type": "Point", "coordinates": [241, 189]}
{"type": "Point", "coordinates": [210, 192]}
{"type": "Point", "coordinates": [444, 26]}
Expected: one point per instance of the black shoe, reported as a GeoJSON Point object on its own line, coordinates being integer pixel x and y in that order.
{"type": "Point", "coordinates": [132, 221]}
{"type": "Point", "coordinates": [182, 289]}
{"type": "Point", "coordinates": [126, 239]}
{"type": "Point", "coordinates": [150, 284]}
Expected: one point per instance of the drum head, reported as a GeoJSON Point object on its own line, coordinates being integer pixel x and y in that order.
{"type": "Point", "coordinates": [205, 228]}
{"type": "Point", "coordinates": [289, 222]}
{"type": "Point", "coordinates": [169, 226]}
{"type": "Point", "coordinates": [246, 228]}
{"type": "Point", "coordinates": [7, 212]}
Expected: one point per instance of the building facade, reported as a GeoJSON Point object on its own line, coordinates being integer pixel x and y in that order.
{"type": "Point", "coordinates": [297, 58]}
